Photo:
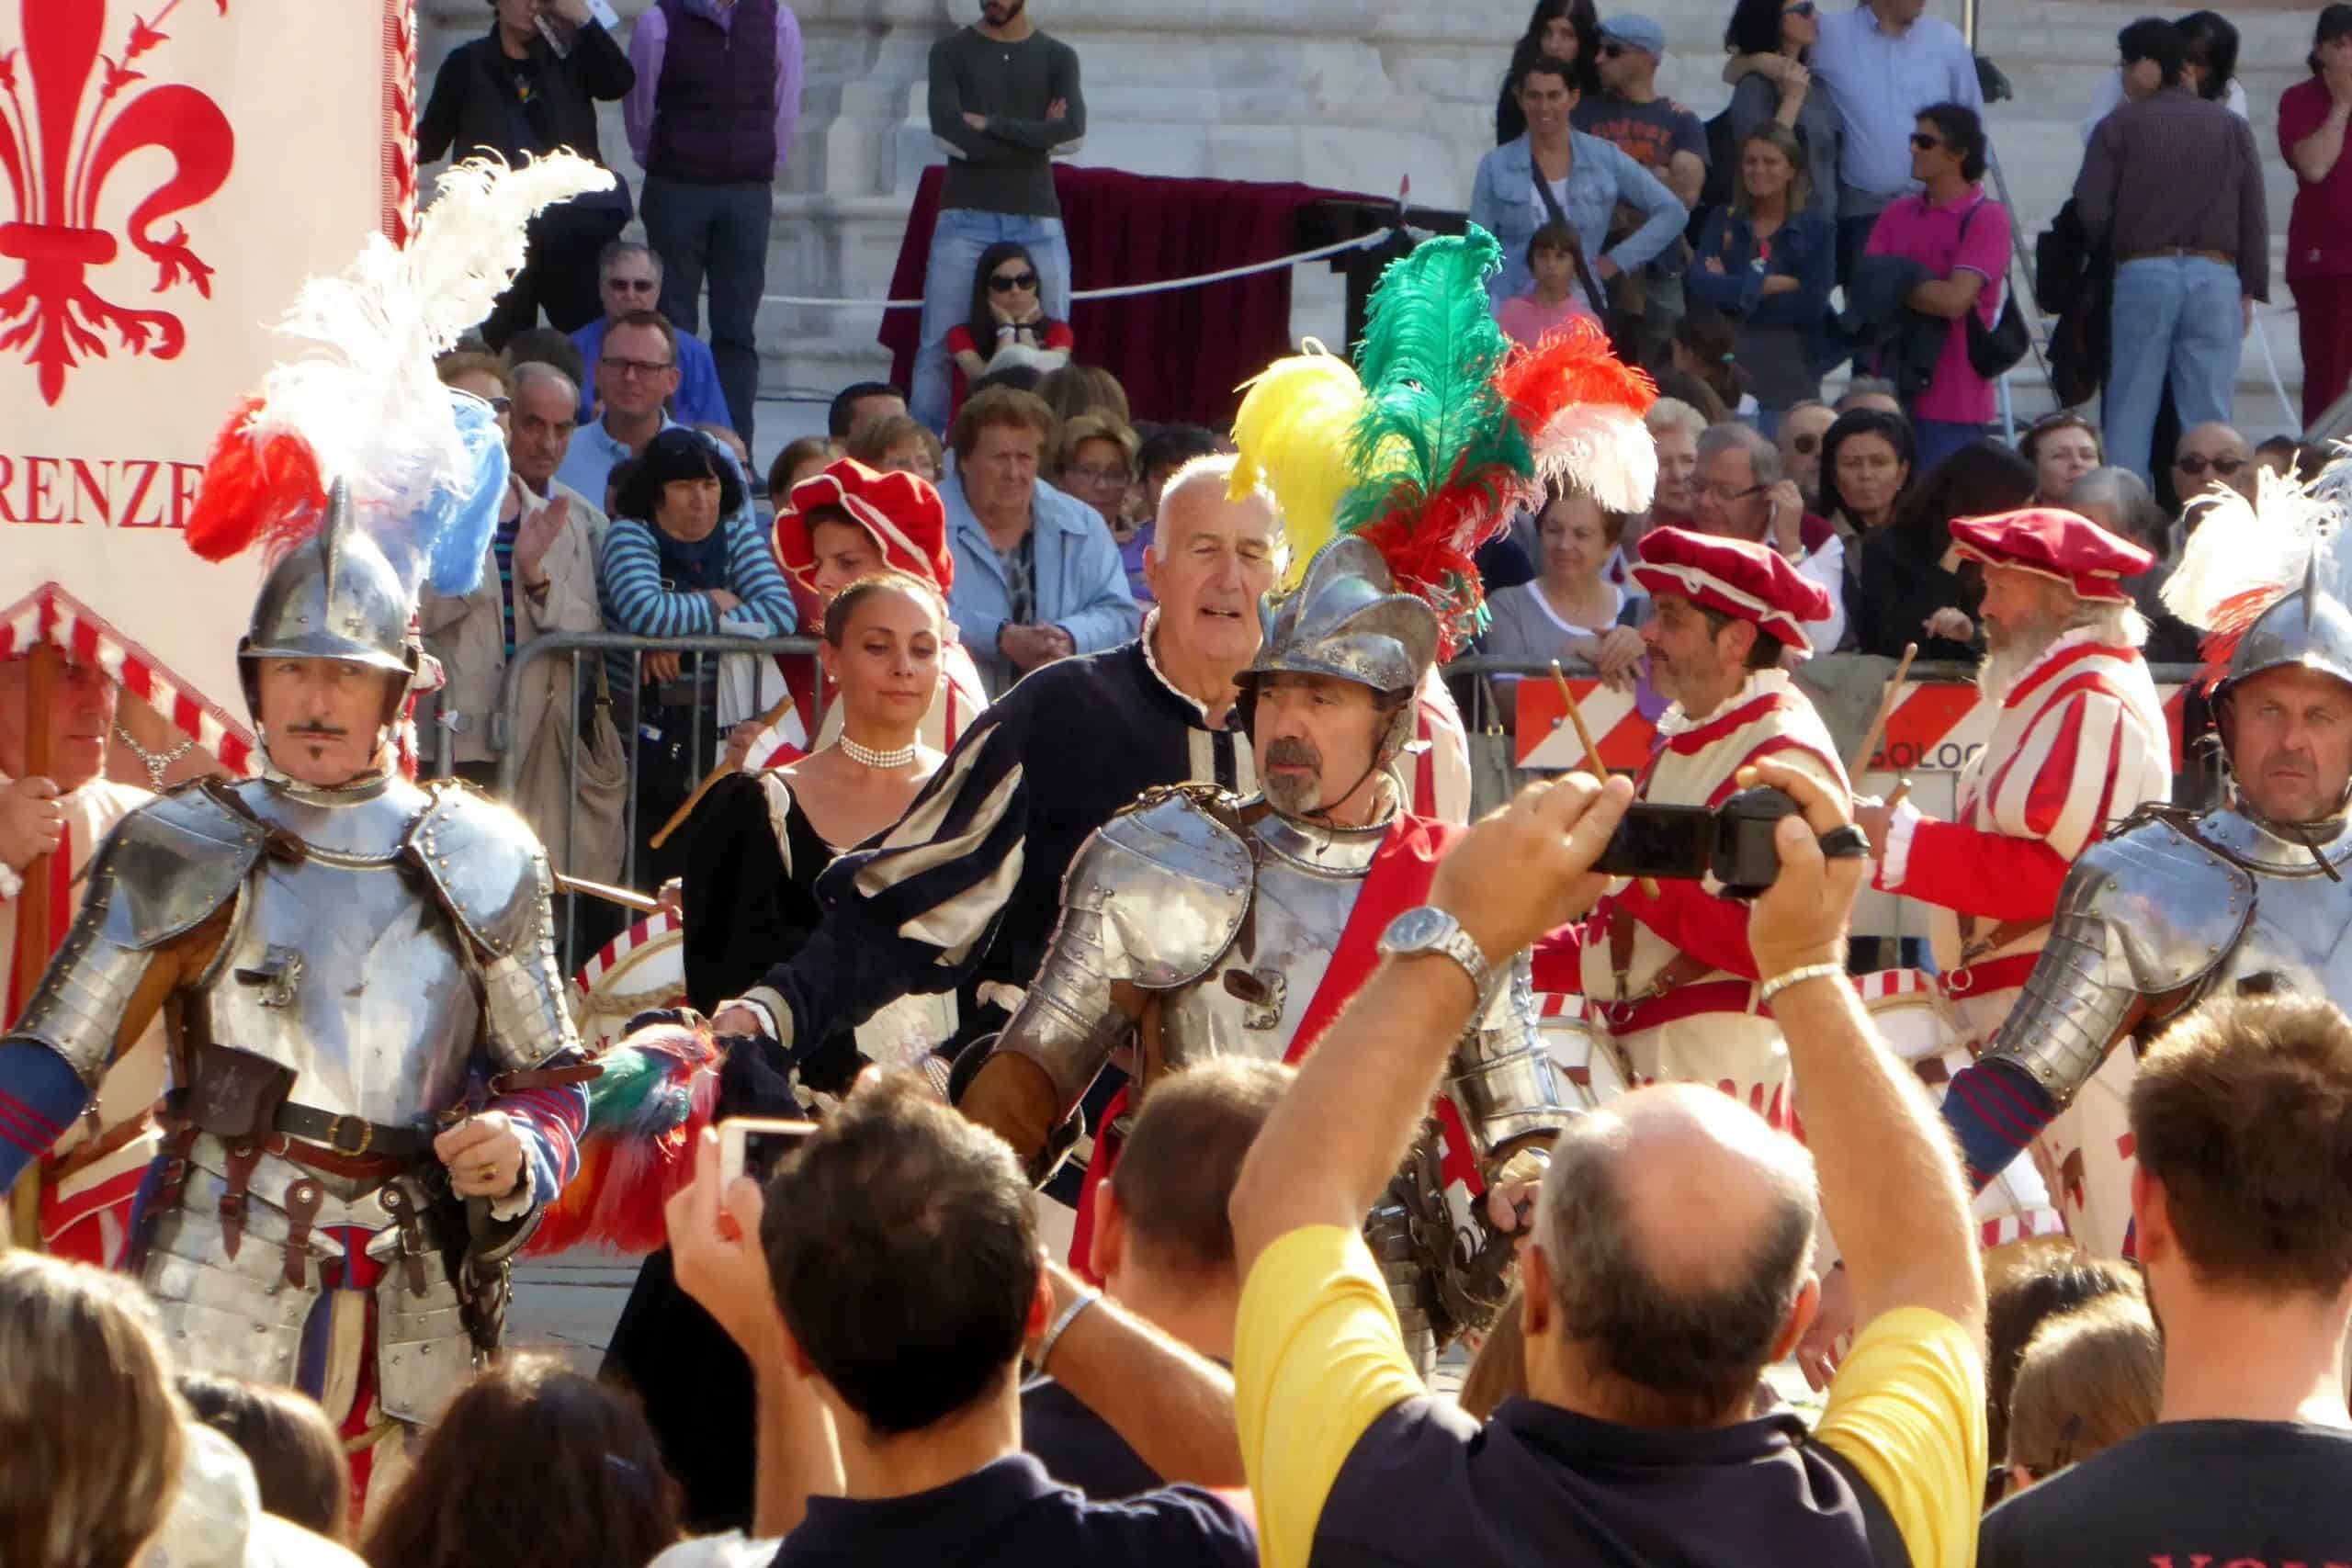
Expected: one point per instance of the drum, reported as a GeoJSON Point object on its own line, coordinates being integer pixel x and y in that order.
{"type": "Point", "coordinates": [642, 968]}
{"type": "Point", "coordinates": [1581, 1048]}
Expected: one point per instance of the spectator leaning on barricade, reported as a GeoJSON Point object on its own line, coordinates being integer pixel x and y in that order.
{"type": "Point", "coordinates": [1554, 174]}
{"type": "Point", "coordinates": [1769, 262]}
{"type": "Point", "coordinates": [1003, 97]}
{"type": "Point", "coordinates": [532, 87]}
{"type": "Point", "coordinates": [1569, 611]}
{"type": "Point", "coordinates": [2242, 1209]}
{"type": "Point", "coordinates": [2192, 255]}
{"type": "Point", "coordinates": [683, 557]}
{"type": "Point", "coordinates": [1038, 576]}
{"type": "Point", "coordinates": [885, 1288]}
{"type": "Point", "coordinates": [1784, 31]}
{"type": "Point", "coordinates": [1666, 1266]}
{"type": "Point", "coordinates": [1665, 139]}
{"type": "Point", "coordinates": [1565, 30]}
{"type": "Point", "coordinates": [711, 119]}
{"type": "Point", "coordinates": [539, 578]}
{"type": "Point", "coordinates": [1946, 253]}
{"type": "Point", "coordinates": [2312, 115]}
{"type": "Point", "coordinates": [629, 278]}
{"type": "Point", "coordinates": [1884, 62]}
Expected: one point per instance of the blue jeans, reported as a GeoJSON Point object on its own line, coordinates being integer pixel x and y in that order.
{"type": "Point", "coordinates": [2177, 319]}
{"type": "Point", "coordinates": [719, 233]}
{"type": "Point", "coordinates": [955, 246]}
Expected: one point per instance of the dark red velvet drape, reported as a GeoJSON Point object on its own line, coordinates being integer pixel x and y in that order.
{"type": "Point", "coordinates": [1179, 354]}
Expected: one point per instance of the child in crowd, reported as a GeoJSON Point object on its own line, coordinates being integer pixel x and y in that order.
{"type": "Point", "coordinates": [1563, 289]}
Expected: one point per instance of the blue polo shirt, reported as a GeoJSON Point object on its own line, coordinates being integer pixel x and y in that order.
{"type": "Point", "coordinates": [1012, 1513]}
{"type": "Point", "coordinates": [698, 400]}
{"type": "Point", "coordinates": [1879, 81]}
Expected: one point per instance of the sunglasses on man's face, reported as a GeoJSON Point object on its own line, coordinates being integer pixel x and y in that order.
{"type": "Point", "coordinates": [1804, 446]}
{"type": "Point", "coordinates": [1923, 142]}
{"type": "Point", "coordinates": [2195, 464]}
{"type": "Point", "coordinates": [1006, 283]}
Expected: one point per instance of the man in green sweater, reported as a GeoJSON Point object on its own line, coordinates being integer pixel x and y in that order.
{"type": "Point", "coordinates": [1004, 98]}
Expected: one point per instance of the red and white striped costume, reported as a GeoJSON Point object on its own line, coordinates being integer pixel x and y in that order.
{"type": "Point", "coordinates": [85, 1199]}
{"type": "Point", "coordinates": [2080, 742]}
{"type": "Point", "coordinates": [1708, 1027]}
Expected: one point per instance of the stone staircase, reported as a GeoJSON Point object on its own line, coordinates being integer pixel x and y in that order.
{"type": "Point", "coordinates": [1342, 94]}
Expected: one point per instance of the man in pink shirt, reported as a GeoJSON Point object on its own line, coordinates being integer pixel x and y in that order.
{"type": "Point", "coordinates": [1962, 237]}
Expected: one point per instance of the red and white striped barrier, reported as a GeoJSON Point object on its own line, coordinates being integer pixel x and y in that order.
{"type": "Point", "coordinates": [51, 615]}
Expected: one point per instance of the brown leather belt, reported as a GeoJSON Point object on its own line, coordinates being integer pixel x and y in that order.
{"type": "Point", "coordinates": [1679, 970]}
{"type": "Point", "coordinates": [2182, 251]}
{"type": "Point", "coordinates": [354, 1138]}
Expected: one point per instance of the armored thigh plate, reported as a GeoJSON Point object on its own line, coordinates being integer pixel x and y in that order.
{"type": "Point", "coordinates": [237, 1316]}
{"type": "Point", "coordinates": [423, 1355]}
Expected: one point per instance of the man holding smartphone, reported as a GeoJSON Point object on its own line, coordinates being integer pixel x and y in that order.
{"type": "Point", "coordinates": [1668, 960]}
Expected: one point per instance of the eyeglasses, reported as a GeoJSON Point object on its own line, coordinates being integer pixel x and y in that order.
{"type": "Point", "coordinates": [1725, 493]}
{"type": "Point", "coordinates": [1804, 446]}
{"type": "Point", "coordinates": [1925, 142]}
{"type": "Point", "coordinates": [634, 366]}
{"type": "Point", "coordinates": [502, 405]}
{"type": "Point", "coordinates": [2194, 465]}
{"type": "Point", "coordinates": [632, 285]}
{"type": "Point", "coordinates": [1006, 283]}
{"type": "Point", "coordinates": [1098, 479]}
{"type": "Point", "coordinates": [1615, 50]}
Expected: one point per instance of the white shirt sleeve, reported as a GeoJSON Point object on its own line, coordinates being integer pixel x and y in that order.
{"type": "Point", "coordinates": [2110, 93]}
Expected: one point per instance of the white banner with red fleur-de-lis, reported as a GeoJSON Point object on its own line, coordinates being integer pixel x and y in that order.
{"type": "Point", "coordinates": [170, 173]}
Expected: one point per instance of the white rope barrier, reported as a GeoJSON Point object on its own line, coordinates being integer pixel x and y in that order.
{"type": "Point", "coordinates": [1363, 243]}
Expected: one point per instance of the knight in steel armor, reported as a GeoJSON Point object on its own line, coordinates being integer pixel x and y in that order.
{"type": "Point", "coordinates": [2178, 905]}
{"type": "Point", "coordinates": [1198, 923]}
{"type": "Point", "coordinates": [376, 1082]}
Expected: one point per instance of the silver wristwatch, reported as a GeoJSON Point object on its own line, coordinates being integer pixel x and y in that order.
{"type": "Point", "coordinates": [1431, 929]}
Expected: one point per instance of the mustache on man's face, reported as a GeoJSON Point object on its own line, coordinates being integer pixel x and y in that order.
{"type": "Point", "coordinates": [317, 731]}
{"type": "Point", "coordinates": [1292, 752]}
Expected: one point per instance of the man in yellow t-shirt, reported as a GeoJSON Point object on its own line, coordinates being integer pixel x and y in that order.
{"type": "Point", "coordinates": [1666, 1266]}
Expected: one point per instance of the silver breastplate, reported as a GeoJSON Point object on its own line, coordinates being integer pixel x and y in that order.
{"type": "Point", "coordinates": [1251, 1001]}
{"type": "Point", "coordinates": [340, 967]}
{"type": "Point", "coordinates": [2300, 938]}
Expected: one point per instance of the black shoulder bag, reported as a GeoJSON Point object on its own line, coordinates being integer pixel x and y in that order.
{"type": "Point", "coordinates": [1992, 350]}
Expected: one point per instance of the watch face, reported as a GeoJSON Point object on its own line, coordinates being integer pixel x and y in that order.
{"type": "Point", "coordinates": [1416, 929]}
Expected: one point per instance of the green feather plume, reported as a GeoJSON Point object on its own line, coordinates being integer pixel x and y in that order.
{"type": "Point", "coordinates": [1427, 360]}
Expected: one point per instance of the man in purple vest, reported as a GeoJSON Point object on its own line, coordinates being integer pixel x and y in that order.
{"type": "Point", "coordinates": [710, 120]}
{"type": "Point", "coordinates": [1003, 99]}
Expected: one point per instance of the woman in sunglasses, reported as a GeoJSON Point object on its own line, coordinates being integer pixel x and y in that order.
{"type": "Point", "coordinates": [1769, 41]}
{"type": "Point", "coordinates": [1007, 324]}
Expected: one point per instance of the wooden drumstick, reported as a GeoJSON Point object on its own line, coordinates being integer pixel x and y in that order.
{"type": "Point", "coordinates": [1901, 790]}
{"type": "Point", "coordinates": [627, 898]}
{"type": "Point", "coordinates": [678, 818]}
{"type": "Point", "coordinates": [1885, 711]}
{"type": "Point", "coordinates": [1591, 753]}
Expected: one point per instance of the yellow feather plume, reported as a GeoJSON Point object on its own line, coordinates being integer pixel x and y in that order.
{"type": "Point", "coordinates": [1292, 434]}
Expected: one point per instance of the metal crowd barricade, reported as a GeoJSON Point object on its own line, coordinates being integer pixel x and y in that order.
{"type": "Point", "coordinates": [578, 648]}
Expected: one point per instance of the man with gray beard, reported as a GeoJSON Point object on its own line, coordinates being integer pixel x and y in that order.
{"type": "Point", "coordinates": [2079, 742]}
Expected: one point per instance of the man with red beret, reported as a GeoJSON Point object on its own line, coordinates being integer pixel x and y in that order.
{"type": "Point", "coordinates": [1671, 968]}
{"type": "Point", "coordinates": [2079, 742]}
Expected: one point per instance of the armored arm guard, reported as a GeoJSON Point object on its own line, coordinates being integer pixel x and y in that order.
{"type": "Point", "coordinates": [1502, 1074]}
{"type": "Point", "coordinates": [2149, 914]}
{"type": "Point", "coordinates": [491, 877]}
{"type": "Point", "coordinates": [1150, 902]}
{"type": "Point", "coordinates": [165, 870]}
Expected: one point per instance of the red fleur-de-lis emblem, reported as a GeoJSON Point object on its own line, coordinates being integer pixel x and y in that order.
{"type": "Point", "coordinates": [59, 143]}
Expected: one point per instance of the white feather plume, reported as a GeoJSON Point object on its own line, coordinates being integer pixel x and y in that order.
{"type": "Point", "coordinates": [360, 387]}
{"type": "Point", "coordinates": [2238, 547]}
{"type": "Point", "coordinates": [1602, 450]}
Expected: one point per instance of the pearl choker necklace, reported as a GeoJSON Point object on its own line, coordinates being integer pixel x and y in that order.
{"type": "Point", "coordinates": [866, 756]}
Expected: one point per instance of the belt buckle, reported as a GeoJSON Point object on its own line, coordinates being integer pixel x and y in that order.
{"type": "Point", "coordinates": [334, 1134]}
{"type": "Point", "coordinates": [1959, 982]}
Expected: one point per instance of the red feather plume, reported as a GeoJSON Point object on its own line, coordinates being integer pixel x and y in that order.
{"type": "Point", "coordinates": [1428, 543]}
{"type": "Point", "coordinates": [2232, 619]}
{"type": "Point", "coordinates": [1572, 364]}
{"type": "Point", "coordinates": [265, 491]}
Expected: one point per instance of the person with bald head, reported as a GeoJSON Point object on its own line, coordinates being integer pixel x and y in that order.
{"type": "Point", "coordinates": [2211, 454]}
{"type": "Point", "coordinates": [1665, 1266]}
